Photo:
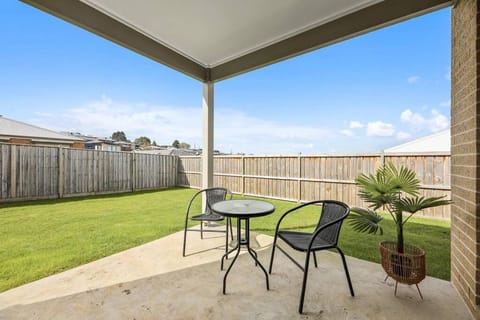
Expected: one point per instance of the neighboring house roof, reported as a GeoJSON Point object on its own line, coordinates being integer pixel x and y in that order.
{"type": "Point", "coordinates": [171, 152]}
{"type": "Point", "coordinates": [101, 141]}
{"type": "Point", "coordinates": [437, 142]}
{"type": "Point", "coordinates": [15, 129]}
{"type": "Point", "coordinates": [79, 135]}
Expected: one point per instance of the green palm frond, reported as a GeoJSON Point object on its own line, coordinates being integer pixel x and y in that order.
{"type": "Point", "coordinates": [375, 189]}
{"type": "Point", "coordinates": [404, 180]}
{"type": "Point", "coordinates": [415, 204]}
{"type": "Point", "coordinates": [386, 184]}
{"type": "Point", "coordinates": [365, 221]}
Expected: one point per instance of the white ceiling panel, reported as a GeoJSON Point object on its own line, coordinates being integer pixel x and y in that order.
{"type": "Point", "coordinates": [212, 32]}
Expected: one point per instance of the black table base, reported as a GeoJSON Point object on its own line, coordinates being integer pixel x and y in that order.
{"type": "Point", "coordinates": [242, 242]}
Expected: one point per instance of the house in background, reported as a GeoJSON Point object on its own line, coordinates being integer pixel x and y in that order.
{"type": "Point", "coordinates": [126, 146]}
{"type": "Point", "coordinates": [12, 131]}
{"type": "Point", "coordinates": [437, 142]}
{"type": "Point", "coordinates": [105, 144]}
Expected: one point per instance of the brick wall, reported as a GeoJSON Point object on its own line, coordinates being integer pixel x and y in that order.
{"type": "Point", "coordinates": [20, 141]}
{"type": "Point", "coordinates": [78, 145]}
{"type": "Point", "coordinates": [465, 153]}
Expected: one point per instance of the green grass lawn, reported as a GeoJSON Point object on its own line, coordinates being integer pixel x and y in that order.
{"type": "Point", "coordinates": [41, 238]}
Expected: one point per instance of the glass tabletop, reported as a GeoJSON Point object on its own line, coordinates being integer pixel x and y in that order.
{"type": "Point", "coordinates": [243, 208]}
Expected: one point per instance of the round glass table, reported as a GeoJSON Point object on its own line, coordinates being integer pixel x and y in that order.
{"type": "Point", "coordinates": [243, 210]}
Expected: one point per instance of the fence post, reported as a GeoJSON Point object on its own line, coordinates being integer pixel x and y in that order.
{"type": "Point", "coordinates": [61, 173]}
{"type": "Point", "coordinates": [13, 171]}
{"type": "Point", "coordinates": [382, 159]}
{"type": "Point", "coordinates": [299, 181]}
{"type": "Point", "coordinates": [243, 175]}
{"type": "Point", "coordinates": [175, 171]}
{"type": "Point", "coordinates": [132, 171]}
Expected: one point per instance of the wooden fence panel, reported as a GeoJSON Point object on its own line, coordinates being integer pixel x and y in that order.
{"type": "Point", "coordinates": [154, 171]}
{"type": "Point", "coordinates": [272, 176]}
{"type": "Point", "coordinates": [190, 172]}
{"type": "Point", "coordinates": [305, 178]}
{"type": "Point", "coordinates": [95, 172]}
{"type": "Point", "coordinates": [27, 172]}
{"type": "Point", "coordinates": [38, 172]}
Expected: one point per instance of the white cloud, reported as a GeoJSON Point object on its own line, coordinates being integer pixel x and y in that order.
{"type": "Point", "coordinates": [413, 79]}
{"type": "Point", "coordinates": [403, 135]}
{"type": "Point", "coordinates": [105, 116]}
{"type": "Point", "coordinates": [356, 124]}
{"type": "Point", "coordinates": [380, 129]}
{"type": "Point", "coordinates": [434, 123]}
{"type": "Point", "coordinates": [346, 132]}
{"type": "Point", "coordinates": [416, 120]}
{"type": "Point", "coordinates": [234, 131]}
{"type": "Point", "coordinates": [240, 132]}
{"type": "Point", "coordinates": [438, 121]}
{"type": "Point", "coordinates": [446, 104]}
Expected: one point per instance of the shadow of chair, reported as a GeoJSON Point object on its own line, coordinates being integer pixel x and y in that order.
{"type": "Point", "coordinates": [213, 195]}
{"type": "Point", "coordinates": [325, 236]}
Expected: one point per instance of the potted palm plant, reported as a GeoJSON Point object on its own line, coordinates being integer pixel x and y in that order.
{"type": "Point", "coordinates": [395, 191]}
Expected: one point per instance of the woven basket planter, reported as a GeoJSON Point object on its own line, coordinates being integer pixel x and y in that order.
{"type": "Point", "coordinates": [407, 267]}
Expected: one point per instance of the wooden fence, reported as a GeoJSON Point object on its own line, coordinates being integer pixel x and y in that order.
{"type": "Point", "coordinates": [304, 178]}
{"type": "Point", "coordinates": [34, 172]}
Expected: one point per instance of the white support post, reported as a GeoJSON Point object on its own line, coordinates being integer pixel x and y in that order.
{"type": "Point", "coordinates": [207, 148]}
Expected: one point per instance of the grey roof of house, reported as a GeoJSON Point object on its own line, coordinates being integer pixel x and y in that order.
{"type": "Point", "coordinates": [14, 128]}
{"type": "Point", "coordinates": [437, 142]}
{"type": "Point", "coordinates": [171, 152]}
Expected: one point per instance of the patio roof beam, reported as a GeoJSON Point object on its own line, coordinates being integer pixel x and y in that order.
{"type": "Point", "coordinates": [382, 14]}
{"type": "Point", "coordinates": [88, 18]}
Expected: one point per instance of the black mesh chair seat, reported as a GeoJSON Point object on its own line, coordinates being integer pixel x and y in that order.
{"type": "Point", "coordinates": [325, 236]}
{"type": "Point", "coordinates": [300, 241]}
{"type": "Point", "coordinates": [207, 217]}
{"type": "Point", "coordinates": [213, 195]}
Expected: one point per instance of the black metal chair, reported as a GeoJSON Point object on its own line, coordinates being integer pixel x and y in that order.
{"type": "Point", "coordinates": [213, 195]}
{"type": "Point", "coordinates": [325, 236]}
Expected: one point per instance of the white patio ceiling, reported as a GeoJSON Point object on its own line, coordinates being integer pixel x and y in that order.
{"type": "Point", "coordinates": [217, 31]}
{"type": "Point", "coordinates": [211, 40]}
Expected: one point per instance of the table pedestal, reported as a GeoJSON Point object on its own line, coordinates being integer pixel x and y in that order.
{"type": "Point", "coordinates": [242, 242]}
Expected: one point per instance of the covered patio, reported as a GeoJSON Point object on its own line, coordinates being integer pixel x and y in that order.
{"type": "Point", "coordinates": [154, 281]}
{"type": "Point", "coordinates": [213, 41]}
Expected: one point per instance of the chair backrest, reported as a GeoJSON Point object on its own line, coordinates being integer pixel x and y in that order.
{"type": "Point", "coordinates": [332, 210]}
{"type": "Point", "coordinates": [215, 195]}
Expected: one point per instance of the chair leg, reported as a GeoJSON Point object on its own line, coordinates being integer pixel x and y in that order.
{"type": "Point", "coordinates": [346, 271]}
{"type": "Point", "coordinates": [185, 236]}
{"type": "Point", "coordinates": [201, 229]}
{"type": "Point", "coordinates": [304, 284]}
{"type": "Point", "coordinates": [184, 241]}
{"type": "Point", "coordinates": [273, 253]}
{"type": "Point", "coordinates": [315, 259]}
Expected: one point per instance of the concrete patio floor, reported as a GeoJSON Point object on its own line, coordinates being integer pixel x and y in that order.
{"type": "Point", "coordinates": [154, 281]}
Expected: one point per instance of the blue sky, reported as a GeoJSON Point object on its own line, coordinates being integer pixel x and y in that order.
{"type": "Point", "coordinates": [361, 95]}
